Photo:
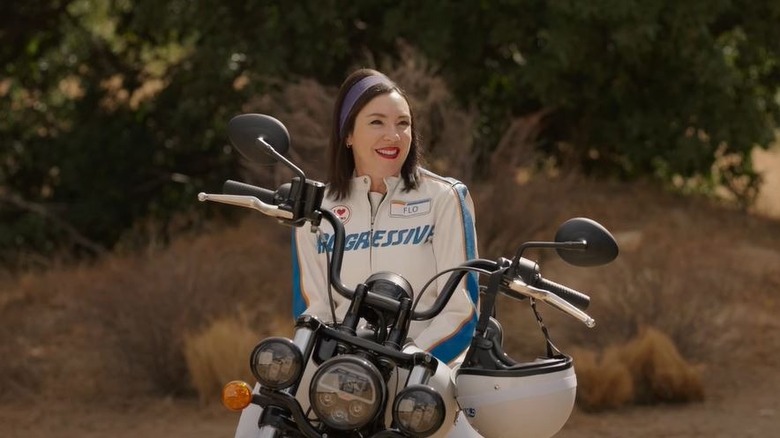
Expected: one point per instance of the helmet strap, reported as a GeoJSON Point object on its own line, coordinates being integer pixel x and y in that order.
{"type": "Point", "coordinates": [552, 350]}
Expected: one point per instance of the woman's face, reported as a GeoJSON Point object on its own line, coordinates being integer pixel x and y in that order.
{"type": "Point", "coordinates": [381, 138]}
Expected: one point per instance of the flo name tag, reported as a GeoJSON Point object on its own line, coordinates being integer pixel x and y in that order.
{"type": "Point", "coordinates": [410, 209]}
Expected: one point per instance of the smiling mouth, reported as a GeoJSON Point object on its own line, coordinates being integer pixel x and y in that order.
{"type": "Point", "coordinates": [390, 153]}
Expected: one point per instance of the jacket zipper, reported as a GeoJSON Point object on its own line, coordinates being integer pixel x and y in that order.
{"type": "Point", "coordinates": [371, 233]}
{"type": "Point", "coordinates": [371, 228]}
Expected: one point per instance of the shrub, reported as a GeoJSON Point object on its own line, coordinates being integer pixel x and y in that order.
{"type": "Point", "coordinates": [659, 372]}
{"type": "Point", "coordinates": [602, 384]}
{"type": "Point", "coordinates": [147, 305]}
{"type": "Point", "coordinates": [219, 354]}
{"type": "Point", "coordinates": [646, 370]}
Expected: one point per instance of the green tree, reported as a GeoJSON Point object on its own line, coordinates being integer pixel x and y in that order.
{"type": "Point", "coordinates": [634, 88]}
{"type": "Point", "coordinates": [114, 111]}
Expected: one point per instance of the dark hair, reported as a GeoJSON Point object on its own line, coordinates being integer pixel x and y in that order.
{"type": "Point", "coordinates": [342, 162]}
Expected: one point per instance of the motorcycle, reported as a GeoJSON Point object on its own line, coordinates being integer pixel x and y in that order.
{"type": "Point", "coordinates": [359, 378]}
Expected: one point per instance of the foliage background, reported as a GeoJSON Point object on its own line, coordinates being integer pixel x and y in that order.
{"type": "Point", "coordinates": [113, 116]}
{"type": "Point", "coordinates": [113, 111]}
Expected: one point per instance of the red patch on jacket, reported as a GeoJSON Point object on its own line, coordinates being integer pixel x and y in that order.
{"type": "Point", "coordinates": [342, 212]}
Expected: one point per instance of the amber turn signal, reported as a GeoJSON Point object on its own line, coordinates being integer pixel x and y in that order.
{"type": "Point", "coordinates": [236, 395]}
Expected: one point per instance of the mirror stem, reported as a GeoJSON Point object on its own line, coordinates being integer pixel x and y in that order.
{"type": "Point", "coordinates": [575, 244]}
{"type": "Point", "coordinates": [270, 149]}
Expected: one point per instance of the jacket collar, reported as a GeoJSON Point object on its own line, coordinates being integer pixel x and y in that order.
{"type": "Point", "coordinates": [362, 184]}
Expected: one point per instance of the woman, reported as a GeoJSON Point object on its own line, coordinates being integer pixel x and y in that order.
{"type": "Point", "coordinates": [398, 217]}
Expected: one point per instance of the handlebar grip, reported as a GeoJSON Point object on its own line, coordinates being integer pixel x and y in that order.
{"type": "Point", "coordinates": [578, 299]}
{"type": "Point", "coordinates": [238, 188]}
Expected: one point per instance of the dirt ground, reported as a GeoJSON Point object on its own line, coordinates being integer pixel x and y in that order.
{"type": "Point", "coordinates": [742, 400]}
{"type": "Point", "coordinates": [736, 408]}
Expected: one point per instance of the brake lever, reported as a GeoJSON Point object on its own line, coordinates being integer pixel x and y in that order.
{"type": "Point", "coordinates": [551, 299]}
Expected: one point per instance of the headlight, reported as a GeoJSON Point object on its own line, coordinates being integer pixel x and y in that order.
{"type": "Point", "coordinates": [418, 410]}
{"type": "Point", "coordinates": [346, 392]}
{"type": "Point", "coordinates": [276, 363]}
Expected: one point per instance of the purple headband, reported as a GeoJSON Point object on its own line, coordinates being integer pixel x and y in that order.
{"type": "Point", "coordinates": [356, 91]}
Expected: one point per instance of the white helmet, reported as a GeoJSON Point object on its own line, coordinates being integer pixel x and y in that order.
{"type": "Point", "coordinates": [531, 399]}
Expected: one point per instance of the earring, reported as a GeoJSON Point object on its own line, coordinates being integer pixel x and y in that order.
{"type": "Point", "coordinates": [349, 146]}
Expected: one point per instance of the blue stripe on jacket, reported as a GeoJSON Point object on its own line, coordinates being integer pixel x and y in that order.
{"type": "Point", "coordinates": [299, 303]}
{"type": "Point", "coordinates": [459, 342]}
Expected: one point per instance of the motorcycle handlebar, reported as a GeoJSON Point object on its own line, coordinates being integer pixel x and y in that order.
{"type": "Point", "coordinates": [573, 297]}
{"type": "Point", "coordinates": [578, 299]}
{"type": "Point", "coordinates": [231, 187]}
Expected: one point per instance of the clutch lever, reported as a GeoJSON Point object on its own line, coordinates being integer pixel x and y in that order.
{"type": "Point", "coordinates": [247, 202]}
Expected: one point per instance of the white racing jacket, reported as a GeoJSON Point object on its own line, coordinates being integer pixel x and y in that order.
{"type": "Point", "coordinates": [415, 234]}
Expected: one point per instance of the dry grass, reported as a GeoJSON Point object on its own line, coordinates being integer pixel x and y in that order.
{"type": "Point", "coordinates": [646, 370]}
{"type": "Point", "coordinates": [179, 290]}
{"type": "Point", "coordinates": [220, 352]}
{"type": "Point", "coordinates": [218, 355]}
{"type": "Point", "coordinates": [659, 371]}
{"type": "Point", "coordinates": [601, 384]}
{"type": "Point", "coordinates": [74, 332]}
{"type": "Point", "coordinates": [767, 163]}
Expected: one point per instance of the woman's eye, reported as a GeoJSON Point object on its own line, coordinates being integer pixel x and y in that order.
{"type": "Point", "coordinates": [376, 122]}
{"type": "Point", "coordinates": [404, 123]}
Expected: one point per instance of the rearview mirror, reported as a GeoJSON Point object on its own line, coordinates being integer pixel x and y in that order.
{"type": "Point", "coordinates": [245, 130]}
{"type": "Point", "coordinates": [601, 248]}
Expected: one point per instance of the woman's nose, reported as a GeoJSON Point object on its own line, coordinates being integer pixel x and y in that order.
{"type": "Point", "coordinates": [392, 134]}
